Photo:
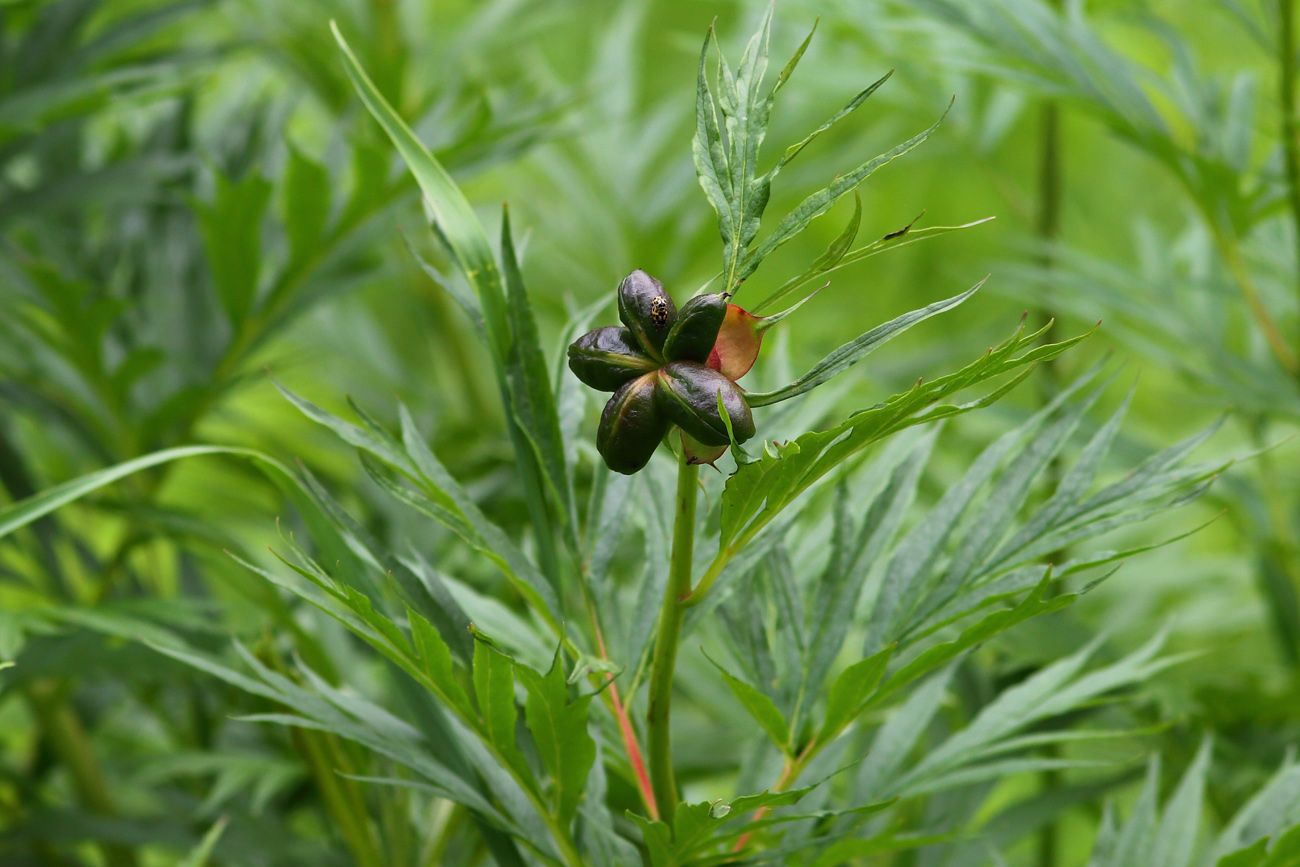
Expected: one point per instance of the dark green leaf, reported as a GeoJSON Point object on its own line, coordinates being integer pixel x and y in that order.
{"type": "Point", "coordinates": [760, 707]}
{"type": "Point", "coordinates": [851, 690]}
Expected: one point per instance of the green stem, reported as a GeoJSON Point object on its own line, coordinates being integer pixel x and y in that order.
{"type": "Point", "coordinates": [1230, 249]}
{"type": "Point", "coordinates": [69, 740]}
{"type": "Point", "coordinates": [1287, 95]}
{"type": "Point", "coordinates": [352, 825]}
{"type": "Point", "coordinates": [1049, 223]}
{"type": "Point", "coordinates": [1049, 228]}
{"type": "Point", "coordinates": [658, 736]}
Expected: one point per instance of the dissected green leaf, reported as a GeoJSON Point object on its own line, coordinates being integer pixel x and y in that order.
{"type": "Point", "coordinates": [758, 491]}
{"type": "Point", "coordinates": [559, 729]}
{"type": "Point", "coordinates": [1033, 605]}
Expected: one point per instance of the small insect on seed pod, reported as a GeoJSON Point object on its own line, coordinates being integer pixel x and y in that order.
{"type": "Point", "coordinates": [688, 393]}
{"type": "Point", "coordinates": [632, 426]}
{"type": "Point", "coordinates": [647, 310]}
{"type": "Point", "coordinates": [693, 335]}
{"type": "Point", "coordinates": [605, 358]}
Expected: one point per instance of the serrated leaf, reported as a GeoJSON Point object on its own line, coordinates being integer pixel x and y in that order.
{"type": "Point", "coordinates": [435, 658]}
{"type": "Point", "coordinates": [559, 730]}
{"type": "Point", "coordinates": [494, 687]}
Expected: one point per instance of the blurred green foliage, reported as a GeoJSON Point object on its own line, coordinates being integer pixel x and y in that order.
{"type": "Point", "coordinates": [191, 193]}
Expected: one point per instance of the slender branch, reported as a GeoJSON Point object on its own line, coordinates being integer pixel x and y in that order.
{"type": "Point", "coordinates": [312, 746]}
{"type": "Point", "coordinates": [1230, 249]}
{"type": "Point", "coordinates": [1287, 107]}
{"type": "Point", "coordinates": [670, 628]}
{"type": "Point", "coordinates": [789, 773]}
{"type": "Point", "coordinates": [630, 743]}
{"type": "Point", "coordinates": [1049, 225]}
{"type": "Point", "coordinates": [1049, 228]}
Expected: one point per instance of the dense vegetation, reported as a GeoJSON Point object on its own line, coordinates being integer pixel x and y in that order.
{"type": "Point", "coordinates": [314, 550]}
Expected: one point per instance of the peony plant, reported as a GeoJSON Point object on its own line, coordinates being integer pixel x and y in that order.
{"type": "Point", "coordinates": [545, 716]}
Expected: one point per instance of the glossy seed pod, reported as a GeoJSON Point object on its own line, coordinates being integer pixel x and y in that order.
{"type": "Point", "coordinates": [632, 426]}
{"type": "Point", "coordinates": [645, 308]}
{"type": "Point", "coordinates": [607, 357]}
{"type": "Point", "coordinates": [696, 329]}
{"type": "Point", "coordinates": [688, 394]}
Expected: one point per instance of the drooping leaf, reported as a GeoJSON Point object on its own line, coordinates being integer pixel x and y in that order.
{"type": "Point", "coordinates": [855, 350]}
{"type": "Point", "coordinates": [760, 707]}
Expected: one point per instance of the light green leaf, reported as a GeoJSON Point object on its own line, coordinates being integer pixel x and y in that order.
{"type": "Point", "coordinates": [23, 512]}
{"type": "Point", "coordinates": [1255, 855]}
{"type": "Point", "coordinates": [890, 841]}
{"type": "Point", "coordinates": [793, 150]}
{"type": "Point", "coordinates": [658, 839]}
{"type": "Point", "coordinates": [816, 204]}
{"type": "Point", "coordinates": [456, 219]}
{"type": "Point", "coordinates": [530, 384]}
{"type": "Point", "coordinates": [460, 229]}
{"type": "Point", "coordinates": [901, 238]}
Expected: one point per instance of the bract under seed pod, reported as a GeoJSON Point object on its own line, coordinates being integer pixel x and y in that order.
{"type": "Point", "coordinates": [693, 335]}
{"type": "Point", "coordinates": [698, 453]}
{"type": "Point", "coordinates": [688, 393]}
{"type": "Point", "coordinates": [607, 357]}
{"type": "Point", "coordinates": [645, 308]}
{"type": "Point", "coordinates": [632, 426]}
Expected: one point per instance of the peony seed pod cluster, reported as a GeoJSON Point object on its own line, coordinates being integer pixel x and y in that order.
{"type": "Point", "coordinates": [665, 370]}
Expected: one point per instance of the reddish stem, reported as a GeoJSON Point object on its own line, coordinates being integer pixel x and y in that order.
{"type": "Point", "coordinates": [788, 773]}
{"type": "Point", "coordinates": [629, 739]}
